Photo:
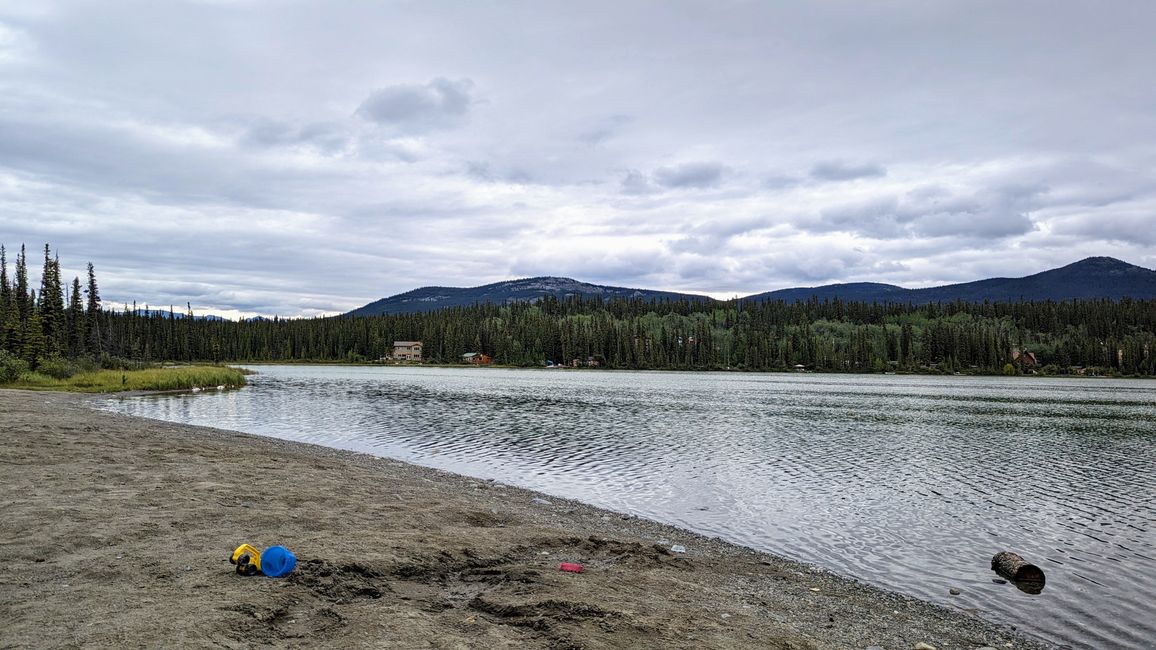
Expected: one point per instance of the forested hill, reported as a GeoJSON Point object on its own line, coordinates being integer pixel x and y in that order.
{"type": "Point", "coordinates": [62, 329]}
{"type": "Point", "coordinates": [428, 299]}
{"type": "Point", "coordinates": [1093, 278]}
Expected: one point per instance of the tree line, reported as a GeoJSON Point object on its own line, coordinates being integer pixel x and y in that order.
{"type": "Point", "coordinates": [52, 323]}
{"type": "Point", "coordinates": [831, 335]}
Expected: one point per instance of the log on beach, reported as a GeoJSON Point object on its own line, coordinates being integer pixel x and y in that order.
{"type": "Point", "coordinates": [1013, 567]}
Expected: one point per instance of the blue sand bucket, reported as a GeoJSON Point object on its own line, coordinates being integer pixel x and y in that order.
{"type": "Point", "coordinates": [277, 561]}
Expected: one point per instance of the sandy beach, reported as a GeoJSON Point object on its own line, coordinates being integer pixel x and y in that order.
{"type": "Point", "coordinates": [115, 532]}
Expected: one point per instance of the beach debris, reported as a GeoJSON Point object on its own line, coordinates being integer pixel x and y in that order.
{"type": "Point", "coordinates": [571, 567]}
{"type": "Point", "coordinates": [924, 646]}
{"type": "Point", "coordinates": [1027, 577]}
{"type": "Point", "coordinates": [541, 502]}
{"type": "Point", "coordinates": [678, 548]}
{"type": "Point", "coordinates": [274, 562]}
{"type": "Point", "coordinates": [816, 590]}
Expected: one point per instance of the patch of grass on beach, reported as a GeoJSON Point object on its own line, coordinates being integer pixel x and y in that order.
{"type": "Point", "coordinates": [111, 381]}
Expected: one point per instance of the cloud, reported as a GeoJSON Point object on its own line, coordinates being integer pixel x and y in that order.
{"type": "Point", "coordinates": [289, 167]}
{"type": "Point", "coordinates": [15, 45]}
{"type": "Point", "coordinates": [715, 235]}
{"type": "Point", "coordinates": [596, 264]}
{"type": "Point", "coordinates": [696, 175]}
{"type": "Point", "coordinates": [837, 170]}
{"type": "Point", "coordinates": [604, 129]}
{"type": "Point", "coordinates": [414, 108]}
{"type": "Point", "coordinates": [484, 172]}
{"type": "Point", "coordinates": [1134, 226]}
{"type": "Point", "coordinates": [635, 182]}
{"type": "Point", "coordinates": [988, 214]}
{"type": "Point", "coordinates": [780, 181]}
{"type": "Point", "coordinates": [325, 137]}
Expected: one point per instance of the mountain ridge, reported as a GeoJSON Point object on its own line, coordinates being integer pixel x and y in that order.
{"type": "Point", "coordinates": [432, 298]}
{"type": "Point", "coordinates": [1088, 279]}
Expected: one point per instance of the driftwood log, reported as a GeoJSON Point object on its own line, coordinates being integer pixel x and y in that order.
{"type": "Point", "coordinates": [1015, 568]}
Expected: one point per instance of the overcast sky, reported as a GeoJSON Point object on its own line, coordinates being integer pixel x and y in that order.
{"type": "Point", "coordinates": [301, 158]}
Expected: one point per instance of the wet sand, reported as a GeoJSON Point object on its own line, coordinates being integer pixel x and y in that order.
{"type": "Point", "coordinates": [115, 532]}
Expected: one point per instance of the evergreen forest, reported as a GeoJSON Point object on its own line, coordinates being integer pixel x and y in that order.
{"type": "Point", "coordinates": [57, 325]}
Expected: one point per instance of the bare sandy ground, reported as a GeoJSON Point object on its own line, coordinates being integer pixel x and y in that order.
{"type": "Point", "coordinates": [115, 532]}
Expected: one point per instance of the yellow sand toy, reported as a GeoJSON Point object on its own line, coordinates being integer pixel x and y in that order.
{"type": "Point", "coordinates": [248, 560]}
{"type": "Point", "coordinates": [278, 561]}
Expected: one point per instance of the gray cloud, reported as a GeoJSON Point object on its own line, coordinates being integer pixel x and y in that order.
{"type": "Point", "coordinates": [635, 182]}
{"type": "Point", "coordinates": [691, 174]}
{"type": "Point", "coordinates": [1127, 228]}
{"type": "Point", "coordinates": [628, 267]}
{"type": "Point", "coordinates": [714, 235]}
{"type": "Point", "coordinates": [326, 137]}
{"type": "Point", "coordinates": [780, 181]}
{"type": "Point", "coordinates": [483, 171]}
{"type": "Point", "coordinates": [416, 108]}
{"type": "Point", "coordinates": [934, 212]}
{"type": "Point", "coordinates": [837, 170]}
{"type": "Point", "coordinates": [256, 168]}
{"type": "Point", "coordinates": [604, 129]}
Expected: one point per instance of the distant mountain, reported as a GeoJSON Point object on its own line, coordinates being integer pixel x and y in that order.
{"type": "Point", "coordinates": [851, 291]}
{"type": "Point", "coordinates": [525, 290]}
{"type": "Point", "coordinates": [1091, 278]}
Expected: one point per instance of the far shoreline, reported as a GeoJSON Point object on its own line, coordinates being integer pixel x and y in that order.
{"type": "Point", "coordinates": [825, 373]}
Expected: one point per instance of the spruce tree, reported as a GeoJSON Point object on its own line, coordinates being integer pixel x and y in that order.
{"type": "Point", "coordinates": [32, 337]}
{"type": "Point", "coordinates": [76, 321]}
{"type": "Point", "coordinates": [92, 293]}
{"type": "Point", "coordinates": [8, 315]}
{"type": "Point", "coordinates": [5, 287]}
{"type": "Point", "coordinates": [23, 301]}
{"type": "Point", "coordinates": [92, 314]}
{"type": "Point", "coordinates": [52, 306]}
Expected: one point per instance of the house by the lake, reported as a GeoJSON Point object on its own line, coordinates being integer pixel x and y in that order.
{"type": "Point", "coordinates": [477, 358]}
{"type": "Point", "coordinates": [1024, 359]}
{"type": "Point", "coordinates": [406, 351]}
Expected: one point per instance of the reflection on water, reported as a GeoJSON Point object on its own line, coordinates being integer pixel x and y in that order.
{"type": "Point", "coordinates": [912, 483]}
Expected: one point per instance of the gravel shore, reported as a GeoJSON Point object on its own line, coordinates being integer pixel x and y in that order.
{"type": "Point", "coordinates": [116, 532]}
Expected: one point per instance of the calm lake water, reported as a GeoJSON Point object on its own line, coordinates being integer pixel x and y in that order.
{"type": "Point", "coordinates": [910, 483]}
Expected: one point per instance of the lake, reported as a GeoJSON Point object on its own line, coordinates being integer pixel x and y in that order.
{"type": "Point", "coordinates": [910, 483]}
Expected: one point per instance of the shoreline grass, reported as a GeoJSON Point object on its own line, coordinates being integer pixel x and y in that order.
{"type": "Point", "coordinates": [150, 379]}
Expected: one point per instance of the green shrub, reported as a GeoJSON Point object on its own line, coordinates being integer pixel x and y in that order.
{"type": "Point", "coordinates": [11, 367]}
{"type": "Point", "coordinates": [110, 362]}
{"type": "Point", "coordinates": [57, 367]}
